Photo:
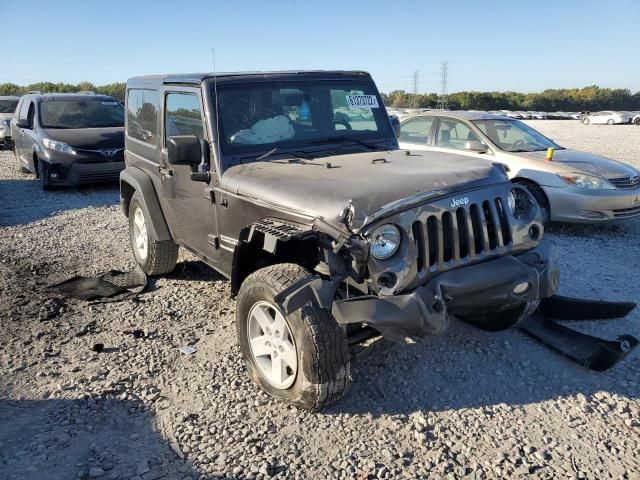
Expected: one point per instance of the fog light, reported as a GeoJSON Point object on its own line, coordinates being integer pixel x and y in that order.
{"type": "Point", "coordinates": [521, 288]}
{"type": "Point", "coordinates": [534, 232]}
{"type": "Point", "coordinates": [387, 280]}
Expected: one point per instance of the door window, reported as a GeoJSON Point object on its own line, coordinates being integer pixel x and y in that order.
{"type": "Point", "coordinates": [416, 130]}
{"type": "Point", "coordinates": [142, 115]}
{"type": "Point", "coordinates": [24, 110]}
{"type": "Point", "coordinates": [454, 134]}
{"type": "Point", "coordinates": [183, 115]}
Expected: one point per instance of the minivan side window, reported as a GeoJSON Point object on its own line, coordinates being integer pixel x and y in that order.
{"type": "Point", "coordinates": [142, 115]}
{"type": "Point", "coordinates": [182, 116]}
{"type": "Point", "coordinates": [24, 110]}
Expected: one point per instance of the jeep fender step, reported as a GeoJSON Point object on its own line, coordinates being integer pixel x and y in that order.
{"type": "Point", "coordinates": [589, 351]}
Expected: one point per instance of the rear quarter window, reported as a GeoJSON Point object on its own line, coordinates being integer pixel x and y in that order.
{"type": "Point", "coordinates": [142, 115]}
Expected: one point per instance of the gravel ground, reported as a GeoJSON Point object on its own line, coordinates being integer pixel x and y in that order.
{"type": "Point", "coordinates": [467, 404]}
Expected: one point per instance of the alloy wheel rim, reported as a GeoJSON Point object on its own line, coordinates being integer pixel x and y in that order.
{"type": "Point", "coordinates": [272, 345]}
{"type": "Point", "coordinates": [140, 239]}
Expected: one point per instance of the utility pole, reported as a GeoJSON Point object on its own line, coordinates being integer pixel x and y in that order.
{"type": "Point", "coordinates": [443, 101]}
{"type": "Point", "coordinates": [416, 79]}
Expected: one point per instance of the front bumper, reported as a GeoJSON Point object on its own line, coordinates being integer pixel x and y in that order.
{"type": "Point", "coordinates": [67, 170]}
{"type": "Point", "coordinates": [572, 204]}
{"type": "Point", "coordinates": [5, 137]}
{"type": "Point", "coordinates": [476, 289]}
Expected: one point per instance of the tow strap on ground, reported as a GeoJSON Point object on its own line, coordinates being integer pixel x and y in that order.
{"type": "Point", "coordinates": [111, 286]}
{"type": "Point", "coordinates": [589, 351]}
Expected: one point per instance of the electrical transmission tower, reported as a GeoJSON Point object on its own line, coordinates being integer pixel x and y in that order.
{"type": "Point", "coordinates": [443, 101]}
{"type": "Point", "coordinates": [416, 79]}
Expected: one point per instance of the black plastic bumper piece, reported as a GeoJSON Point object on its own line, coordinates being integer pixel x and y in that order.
{"type": "Point", "coordinates": [589, 351]}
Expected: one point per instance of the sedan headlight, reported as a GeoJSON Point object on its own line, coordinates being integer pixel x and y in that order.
{"type": "Point", "coordinates": [385, 241]}
{"type": "Point", "coordinates": [590, 182]}
{"type": "Point", "coordinates": [58, 146]}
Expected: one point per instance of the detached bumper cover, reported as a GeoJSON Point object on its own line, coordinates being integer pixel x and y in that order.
{"type": "Point", "coordinates": [482, 287]}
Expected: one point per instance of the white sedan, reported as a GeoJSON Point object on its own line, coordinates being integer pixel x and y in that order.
{"type": "Point", "coordinates": [606, 118]}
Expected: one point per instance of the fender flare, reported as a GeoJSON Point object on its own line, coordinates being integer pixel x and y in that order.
{"type": "Point", "coordinates": [133, 180]}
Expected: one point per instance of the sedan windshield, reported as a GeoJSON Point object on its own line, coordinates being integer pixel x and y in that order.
{"type": "Point", "coordinates": [259, 117]}
{"type": "Point", "coordinates": [8, 106]}
{"type": "Point", "coordinates": [514, 136]}
{"type": "Point", "coordinates": [81, 114]}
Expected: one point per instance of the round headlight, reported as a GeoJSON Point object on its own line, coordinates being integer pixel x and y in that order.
{"type": "Point", "coordinates": [385, 241]}
{"type": "Point", "coordinates": [521, 203]}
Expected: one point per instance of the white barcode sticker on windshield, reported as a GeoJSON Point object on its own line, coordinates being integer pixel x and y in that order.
{"type": "Point", "coordinates": [362, 101]}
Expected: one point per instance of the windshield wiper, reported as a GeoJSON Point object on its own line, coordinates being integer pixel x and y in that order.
{"type": "Point", "coordinates": [343, 139]}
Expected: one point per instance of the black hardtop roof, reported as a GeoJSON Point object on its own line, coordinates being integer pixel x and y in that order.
{"type": "Point", "coordinates": [52, 97]}
{"type": "Point", "coordinates": [197, 78]}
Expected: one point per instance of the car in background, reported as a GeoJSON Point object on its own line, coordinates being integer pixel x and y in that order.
{"type": "Point", "coordinates": [69, 139]}
{"type": "Point", "coordinates": [606, 118]}
{"type": "Point", "coordinates": [8, 106]}
{"type": "Point", "coordinates": [573, 186]}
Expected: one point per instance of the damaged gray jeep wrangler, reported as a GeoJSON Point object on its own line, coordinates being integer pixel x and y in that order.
{"type": "Point", "coordinates": [292, 185]}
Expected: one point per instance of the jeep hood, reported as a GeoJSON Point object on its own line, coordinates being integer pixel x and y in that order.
{"type": "Point", "coordinates": [584, 162]}
{"type": "Point", "coordinates": [369, 181]}
{"type": "Point", "coordinates": [89, 138]}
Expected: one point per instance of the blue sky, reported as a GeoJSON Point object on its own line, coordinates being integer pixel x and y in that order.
{"type": "Point", "coordinates": [491, 45]}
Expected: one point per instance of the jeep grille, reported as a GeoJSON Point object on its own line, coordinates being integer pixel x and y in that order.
{"type": "Point", "coordinates": [472, 231]}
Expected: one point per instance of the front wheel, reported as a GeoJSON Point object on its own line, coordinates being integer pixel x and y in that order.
{"type": "Point", "coordinates": [586, 121]}
{"type": "Point", "coordinates": [637, 121]}
{"type": "Point", "coordinates": [43, 175]}
{"type": "Point", "coordinates": [610, 122]}
{"type": "Point", "coordinates": [154, 256]}
{"type": "Point", "coordinates": [302, 358]}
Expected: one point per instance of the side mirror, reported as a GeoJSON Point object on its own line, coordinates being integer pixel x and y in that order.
{"type": "Point", "coordinates": [476, 146]}
{"type": "Point", "coordinates": [193, 151]}
{"type": "Point", "coordinates": [22, 123]}
{"type": "Point", "coordinates": [395, 124]}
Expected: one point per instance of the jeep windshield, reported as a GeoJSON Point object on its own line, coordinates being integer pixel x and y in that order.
{"type": "Point", "coordinates": [514, 136]}
{"type": "Point", "coordinates": [258, 117]}
{"type": "Point", "coordinates": [81, 114]}
{"type": "Point", "coordinates": [8, 106]}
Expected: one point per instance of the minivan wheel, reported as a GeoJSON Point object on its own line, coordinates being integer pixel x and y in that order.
{"type": "Point", "coordinates": [43, 175]}
{"type": "Point", "coordinates": [610, 122]}
{"type": "Point", "coordinates": [154, 256]}
{"type": "Point", "coordinates": [586, 120]}
{"type": "Point", "coordinates": [302, 358]}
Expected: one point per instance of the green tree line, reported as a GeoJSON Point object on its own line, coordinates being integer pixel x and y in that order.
{"type": "Point", "coordinates": [592, 98]}
{"type": "Point", "coordinates": [114, 89]}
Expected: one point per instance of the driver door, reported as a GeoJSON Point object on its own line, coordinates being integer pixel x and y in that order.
{"type": "Point", "coordinates": [190, 203]}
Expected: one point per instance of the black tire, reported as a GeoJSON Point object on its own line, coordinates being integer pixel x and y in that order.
{"type": "Point", "coordinates": [43, 175]}
{"type": "Point", "coordinates": [497, 321]}
{"type": "Point", "coordinates": [637, 121]}
{"type": "Point", "coordinates": [162, 255]}
{"type": "Point", "coordinates": [541, 197]}
{"type": "Point", "coordinates": [322, 350]}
